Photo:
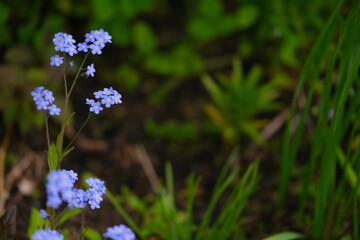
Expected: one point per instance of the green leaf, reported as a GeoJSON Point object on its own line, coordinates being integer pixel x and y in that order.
{"type": "Point", "coordinates": [211, 8]}
{"type": "Point", "coordinates": [68, 119]}
{"type": "Point", "coordinates": [286, 236]}
{"type": "Point", "coordinates": [63, 154]}
{"type": "Point", "coordinates": [4, 13]}
{"type": "Point", "coordinates": [66, 215]}
{"type": "Point", "coordinates": [92, 234]}
{"type": "Point", "coordinates": [144, 37]}
{"type": "Point", "coordinates": [36, 221]}
{"type": "Point", "coordinates": [53, 157]}
{"type": "Point", "coordinates": [104, 10]}
{"type": "Point", "coordinates": [247, 16]}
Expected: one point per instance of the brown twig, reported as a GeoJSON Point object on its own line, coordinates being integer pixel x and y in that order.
{"type": "Point", "coordinates": [147, 166]}
{"type": "Point", "coordinates": [3, 149]}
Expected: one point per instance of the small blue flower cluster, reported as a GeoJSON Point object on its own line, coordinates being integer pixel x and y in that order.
{"type": "Point", "coordinates": [107, 97]}
{"type": "Point", "coordinates": [60, 188]}
{"type": "Point", "coordinates": [120, 232]}
{"type": "Point", "coordinates": [92, 196]}
{"type": "Point", "coordinates": [94, 41]}
{"type": "Point", "coordinates": [47, 235]}
{"type": "Point", "coordinates": [43, 98]}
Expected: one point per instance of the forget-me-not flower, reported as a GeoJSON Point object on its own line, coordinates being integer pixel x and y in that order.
{"type": "Point", "coordinates": [47, 235]}
{"type": "Point", "coordinates": [120, 232]}
{"type": "Point", "coordinates": [95, 107]}
{"type": "Point", "coordinates": [59, 188]}
{"type": "Point", "coordinates": [43, 214]}
{"type": "Point", "coordinates": [90, 70]}
{"type": "Point", "coordinates": [56, 60]}
{"type": "Point", "coordinates": [54, 110]}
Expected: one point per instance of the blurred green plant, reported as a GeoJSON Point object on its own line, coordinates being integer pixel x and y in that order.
{"type": "Point", "coordinates": [334, 147]}
{"type": "Point", "coordinates": [238, 101]}
{"type": "Point", "coordinates": [162, 219]}
{"type": "Point", "coordinates": [172, 130]}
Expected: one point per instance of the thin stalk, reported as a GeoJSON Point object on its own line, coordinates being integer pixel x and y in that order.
{"type": "Point", "coordinates": [78, 132]}
{"type": "Point", "coordinates": [52, 213]}
{"type": "Point", "coordinates": [67, 97]}
{"type": "Point", "coordinates": [48, 141]}
{"type": "Point", "coordinates": [77, 74]}
{"type": "Point", "coordinates": [82, 235]}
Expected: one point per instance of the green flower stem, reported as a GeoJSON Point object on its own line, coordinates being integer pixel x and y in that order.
{"type": "Point", "coordinates": [67, 97]}
{"type": "Point", "coordinates": [78, 132]}
{"type": "Point", "coordinates": [52, 214]}
{"type": "Point", "coordinates": [82, 235]}
{"type": "Point", "coordinates": [48, 140]}
{"type": "Point", "coordinates": [77, 75]}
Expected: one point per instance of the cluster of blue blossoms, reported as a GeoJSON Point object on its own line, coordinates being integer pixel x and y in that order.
{"type": "Point", "coordinates": [120, 232]}
{"type": "Point", "coordinates": [60, 188]}
{"type": "Point", "coordinates": [107, 97]}
{"type": "Point", "coordinates": [94, 41]}
{"type": "Point", "coordinates": [47, 235]}
{"type": "Point", "coordinates": [92, 196]}
{"type": "Point", "coordinates": [43, 98]}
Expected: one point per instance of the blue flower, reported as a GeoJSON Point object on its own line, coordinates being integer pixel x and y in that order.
{"type": "Point", "coordinates": [108, 91]}
{"type": "Point", "coordinates": [100, 42]}
{"type": "Point", "coordinates": [98, 94]}
{"type": "Point", "coordinates": [43, 214]}
{"type": "Point", "coordinates": [56, 60]}
{"type": "Point", "coordinates": [117, 97]}
{"type": "Point", "coordinates": [90, 70]}
{"type": "Point", "coordinates": [54, 110]}
{"type": "Point", "coordinates": [95, 107]}
{"type": "Point", "coordinates": [89, 37]}
{"type": "Point", "coordinates": [71, 63]}
{"type": "Point", "coordinates": [47, 235]}
{"type": "Point", "coordinates": [107, 37]}
{"type": "Point", "coordinates": [89, 101]}
{"type": "Point", "coordinates": [82, 47]}
{"type": "Point", "coordinates": [71, 50]}
{"type": "Point", "coordinates": [59, 41]}
{"type": "Point", "coordinates": [38, 94]}
{"type": "Point", "coordinates": [120, 232]}
{"type": "Point", "coordinates": [42, 104]}
{"type": "Point", "coordinates": [59, 188]}
{"type": "Point", "coordinates": [108, 101]}
{"type": "Point", "coordinates": [95, 49]}
{"type": "Point", "coordinates": [73, 175]}
{"type": "Point", "coordinates": [48, 95]}
{"type": "Point", "coordinates": [69, 39]}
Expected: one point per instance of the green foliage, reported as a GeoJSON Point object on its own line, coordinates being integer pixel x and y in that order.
{"type": "Point", "coordinates": [36, 222]}
{"type": "Point", "coordinates": [66, 214]}
{"type": "Point", "coordinates": [336, 130]}
{"type": "Point", "coordinates": [161, 217]}
{"type": "Point", "coordinates": [238, 101]}
{"type": "Point", "coordinates": [172, 130]}
{"type": "Point", "coordinates": [285, 236]}
{"type": "Point", "coordinates": [92, 234]}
